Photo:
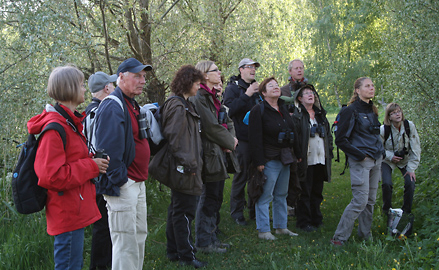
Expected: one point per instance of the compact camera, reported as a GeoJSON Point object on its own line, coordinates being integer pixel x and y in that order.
{"type": "Point", "coordinates": [317, 129]}
{"type": "Point", "coordinates": [285, 135]}
{"type": "Point", "coordinates": [401, 153]}
{"type": "Point", "coordinates": [100, 153]}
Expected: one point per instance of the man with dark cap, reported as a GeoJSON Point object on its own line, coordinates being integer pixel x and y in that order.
{"type": "Point", "coordinates": [117, 133]}
{"type": "Point", "coordinates": [240, 96]}
{"type": "Point", "coordinates": [100, 85]}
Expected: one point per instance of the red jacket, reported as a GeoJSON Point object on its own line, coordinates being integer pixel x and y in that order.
{"type": "Point", "coordinates": [71, 196]}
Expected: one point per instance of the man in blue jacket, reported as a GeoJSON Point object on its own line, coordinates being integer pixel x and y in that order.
{"type": "Point", "coordinates": [240, 96]}
{"type": "Point", "coordinates": [117, 133]}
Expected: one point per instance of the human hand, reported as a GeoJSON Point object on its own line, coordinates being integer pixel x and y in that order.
{"type": "Point", "coordinates": [396, 159]}
{"type": "Point", "coordinates": [412, 176]}
{"type": "Point", "coordinates": [236, 143]}
{"type": "Point", "coordinates": [102, 164]}
{"type": "Point", "coordinates": [261, 168]}
{"type": "Point", "coordinates": [253, 88]}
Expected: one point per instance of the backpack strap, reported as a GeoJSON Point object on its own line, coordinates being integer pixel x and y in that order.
{"type": "Point", "coordinates": [55, 126]}
{"type": "Point", "coordinates": [407, 127]}
{"type": "Point", "coordinates": [386, 132]}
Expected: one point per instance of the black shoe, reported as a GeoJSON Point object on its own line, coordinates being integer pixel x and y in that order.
{"type": "Point", "coordinates": [308, 228]}
{"type": "Point", "coordinates": [241, 221]}
{"type": "Point", "coordinates": [195, 263]}
{"type": "Point", "coordinates": [173, 257]}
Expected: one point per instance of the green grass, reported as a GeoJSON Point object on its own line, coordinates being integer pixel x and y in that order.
{"type": "Point", "coordinates": [24, 243]}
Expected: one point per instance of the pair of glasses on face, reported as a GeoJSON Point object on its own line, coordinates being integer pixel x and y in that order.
{"type": "Point", "coordinates": [213, 70]}
{"type": "Point", "coordinates": [250, 67]}
{"type": "Point", "coordinates": [308, 93]}
{"type": "Point", "coordinates": [395, 112]}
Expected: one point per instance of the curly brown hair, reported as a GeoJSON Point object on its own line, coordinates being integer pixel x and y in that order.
{"type": "Point", "coordinates": [184, 78]}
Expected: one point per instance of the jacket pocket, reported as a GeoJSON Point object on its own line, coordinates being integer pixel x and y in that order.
{"type": "Point", "coordinates": [213, 163]}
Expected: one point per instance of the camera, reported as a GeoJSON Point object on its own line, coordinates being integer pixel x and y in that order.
{"type": "Point", "coordinates": [100, 153]}
{"type": "Point", "coordinates": [144, 128]}
{"type": "Point", "coordinates": [285, 135]}
{"type": "Point", "coordinates": [374, 129]}
{"type": "Point", "coordinates": [401, 153]}
{"type": "Point", "coordinates": [317, 129]}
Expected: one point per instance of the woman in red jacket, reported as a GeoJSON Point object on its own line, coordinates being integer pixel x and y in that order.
{"type": "Point", "coordinates": [66, 171]}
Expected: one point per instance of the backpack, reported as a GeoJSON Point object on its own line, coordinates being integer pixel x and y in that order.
{"type": "Point", "coordinates": [89, 124]}
{"type": "Point", "coordinates": [334, 131]}
{"type": "Point", "coordinates": [153, 128]}
{"type": "Point", "coordinates": [28, 196]}
{"type": "Point", "coordinates": [400, 224]}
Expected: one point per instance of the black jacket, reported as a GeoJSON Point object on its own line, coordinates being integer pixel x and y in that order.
{"type": "Point", "coordinates": [355, 131]}
{"type": "Point", "coordinates": [264, 128]}
{"type": "Point", "coordinates": [239, 104]}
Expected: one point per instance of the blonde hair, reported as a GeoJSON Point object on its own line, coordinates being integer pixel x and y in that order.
{"type": "Point", "coordinates": [204, 65]}
{"type": "Point", "coordinates": [357, 84]}
{"type": "Point", "coordinates": [64, 83]}
{"type": "Point", "coordinates": [389, 109]}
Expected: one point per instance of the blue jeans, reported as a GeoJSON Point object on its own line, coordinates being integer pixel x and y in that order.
{"type": "Point", "coordinates": [68, 248]}
{"type": "Point", "coordinates": [276, 190]}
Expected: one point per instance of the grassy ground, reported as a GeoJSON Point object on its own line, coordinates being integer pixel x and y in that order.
{"type": "Point", "coordinates": [24, 243]}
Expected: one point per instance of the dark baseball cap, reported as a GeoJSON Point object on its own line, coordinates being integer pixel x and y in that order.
{"type": "Point", "coordinates": [97, 81]}
{"type": "Point", "coordinates": [132, 65]}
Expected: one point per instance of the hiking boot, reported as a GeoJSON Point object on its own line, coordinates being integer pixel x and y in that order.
{"type": "Point", "coordinates": [266, 236]}
{"type": "Point", "coordinates": [173, 257]}
{"type": "Point", "coordinates": [195, 263]}
{"type": "Point", "coordinates": [337, 243]}
{"type": "Point", "coordinates": [286, 231]}
{"type": "Point", "coordinates": [291, 211]}
{"type": "Point", "coordinates": [220, 244]}
{"type": "Point", "coordinates": [308, 228]}
{"type": "Point", "coordinates": [212, 249]}
{"type": "Point", "coordinates": [241, 221]}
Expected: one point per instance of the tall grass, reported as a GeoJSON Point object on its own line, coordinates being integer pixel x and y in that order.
{"type": "Point", "coordinates": [24, 243]}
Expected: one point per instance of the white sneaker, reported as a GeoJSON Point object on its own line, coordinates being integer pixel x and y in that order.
{"type": "Point", "coordinates": [286, 231]}
{"type": "Point", "coordinates": [266, 236]}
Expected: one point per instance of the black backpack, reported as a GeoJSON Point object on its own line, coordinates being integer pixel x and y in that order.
{"type": "Point", "coordinates": [28, 196]}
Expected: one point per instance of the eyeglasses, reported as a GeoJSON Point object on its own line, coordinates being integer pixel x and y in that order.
{"type": "Point", "coordinates": [213, 70]}
{"type": "Point", "coordinates": [250, 67]}
{"type": "Point", "coordinates": [395, 112]}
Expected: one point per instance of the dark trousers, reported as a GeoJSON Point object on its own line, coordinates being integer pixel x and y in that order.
{"type": "Point", "coordinates": [237, 193]}
{"type": "Point", "coordinates": [181, 212]}
{"type": "Point", "coordinates": [294, 187]}
{"type": "Point", "coordinates": [207, 211]}
{"type": "Point", "coordinates": [308, 206]}
{"type": "Point", "coordinates": [387, 186]}
{"type": "Point", "coordinates": [101, 247]}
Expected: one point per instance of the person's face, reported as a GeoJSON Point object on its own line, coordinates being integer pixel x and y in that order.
{"type": "Point", "coordinates": [132, 84]}
{"type": "Point", "coordinates": [194, 88]}
{"type": "Point", "coordinates": [219, 88]}
{"type": "Point", "coordinates": [307, 97]}
{"type": "Point", "coordinates": [272, 90]}
{"type": "Point", "coordinates": [366, 91]}
{"type": "Point", "coordinates": [81, 94]}
{"type": "Point", "coordinates": [396, 116]}
{"type": "Point", "coordinates": [248, 73]}
{"type": "Point", "coordinates": [297, 71]}
{"type": "Point", "coordinates": [213, 75]}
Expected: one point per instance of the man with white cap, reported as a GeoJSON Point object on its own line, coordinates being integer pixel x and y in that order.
{"type": "Point", "coordinates": [240, 96]}
{"type": "Point", "coordinates": [100, 85]}
{"type": "Point", "coordinates": [117, 133]}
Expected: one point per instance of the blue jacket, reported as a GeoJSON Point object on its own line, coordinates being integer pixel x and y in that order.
{"type": "Point", "coordinates": [114, 134]}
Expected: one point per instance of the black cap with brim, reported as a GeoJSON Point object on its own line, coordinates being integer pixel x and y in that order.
{"type": "Point", "coordinates": [132, 65]}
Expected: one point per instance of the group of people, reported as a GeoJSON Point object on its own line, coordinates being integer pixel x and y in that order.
{"type": "Point", "coordinates": [282, 133]}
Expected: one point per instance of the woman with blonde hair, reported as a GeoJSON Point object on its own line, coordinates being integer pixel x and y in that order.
{"type": "Point", "coordinates": [66, 172]}
{"type": "Point", "coordinates": [218, 137]}
{"type": "Point", "coordinates": [358, 135]}
{"type": "Point", "coordinates": [403, 151]}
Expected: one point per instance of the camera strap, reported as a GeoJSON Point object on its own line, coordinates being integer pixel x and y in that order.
{"type": "Point", "coordinates": [391, 137]}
